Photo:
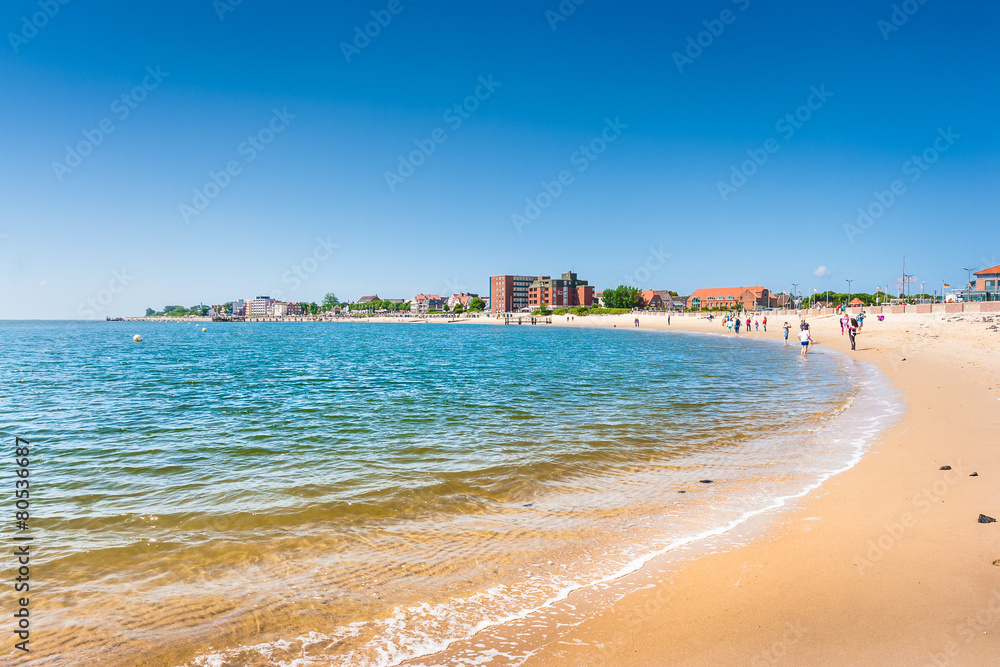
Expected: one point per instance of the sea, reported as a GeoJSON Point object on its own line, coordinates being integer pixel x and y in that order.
{"type": "Point", "coordinates": [365, 494]}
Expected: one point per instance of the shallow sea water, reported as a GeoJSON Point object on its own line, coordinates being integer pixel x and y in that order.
{"type": "Point", "coordinates": [361, 494]}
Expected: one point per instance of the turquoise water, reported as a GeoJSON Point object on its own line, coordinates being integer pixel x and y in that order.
{"type": "Point", "coordinates": [363, 493]}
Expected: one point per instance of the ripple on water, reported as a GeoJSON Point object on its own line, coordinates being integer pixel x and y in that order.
{"type": "Point", "coordinates": [359, 493]}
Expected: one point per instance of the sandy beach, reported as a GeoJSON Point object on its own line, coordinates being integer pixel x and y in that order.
{"type": "Point", "coordinates": [885, 563]}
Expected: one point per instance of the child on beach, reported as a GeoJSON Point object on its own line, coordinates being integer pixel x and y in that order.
{"type": "Point", "coordinates": [804, 341]}
{"type": "Point", "coordinates": [765, 324]}
{"type": "Point", "coordinates": [843, 324]}
{"type": "Point", "coordinates": [756, 325]}
{"type": "Point", "coordinates": [787, 327]}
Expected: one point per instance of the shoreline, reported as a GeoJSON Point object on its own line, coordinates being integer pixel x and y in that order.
{"type": "Point", "coordinates": [753, 593]}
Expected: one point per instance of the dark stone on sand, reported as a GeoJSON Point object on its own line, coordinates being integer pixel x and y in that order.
{"type": "Point", "coordinates": [975, 474]}
{"type": "Point", "coordinates": [682, 492]}
{"type": "Point", "coordinates": [986, 519]}
{"type": "Point", "coordinates": [705, 481]}
{"type": "Point", "coordinates": [945, 468]}
{"type": "Point", "coordinates": [528, 505]}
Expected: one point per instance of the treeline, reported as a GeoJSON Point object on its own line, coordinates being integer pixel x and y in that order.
{"type": "Point", "coordinates": [178, 311]}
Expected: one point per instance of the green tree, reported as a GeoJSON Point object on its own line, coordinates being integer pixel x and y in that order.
{"type": "Point", "coordinates": [459, 308]}
{"type": "Point", "coordinates": [330, 300]}
{"type": "Point", "coordinates": [622, 297]}
{"type": "Point", "coordinates": [445, 308]}
{"type": "Point", "coordinates": [150, 312]}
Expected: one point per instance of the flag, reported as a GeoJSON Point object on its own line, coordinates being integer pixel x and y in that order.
{"type": "Point", "coordinates": [878, 289]}
{"type": "Point", "coordinates": [815, 290]}
{"type": "Point", "coordinates": [946, 285]}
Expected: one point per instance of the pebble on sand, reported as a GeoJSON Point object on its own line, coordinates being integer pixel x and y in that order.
{"type": "Point", "coordinates": [705, 481]}
{"type": "Point", "coordinates": [986, 519]}
{"type": "Point", "coordinates": [945, 468]}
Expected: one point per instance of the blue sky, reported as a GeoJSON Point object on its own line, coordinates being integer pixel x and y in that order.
{"type": "Point", "coordinates": [652, 147]}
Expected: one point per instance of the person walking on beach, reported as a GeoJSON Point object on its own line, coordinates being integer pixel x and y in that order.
{"type": "Point", "coordinates": [804, 341]}
{"type": "Point", "coordinates": [852, 331]}
{"type": "Point", "coordinates": [748, 324]}
{"type": "Point", "coordinates": [765, 324]}
{"type": "Point", "coordinates": [861, 319]}
{"type": "Point", "coordinates": [637, 321]}
{"type": "Point", "coordinates": [844, 321]}
{"type": "Point", "coordinates": [787, 327]}
{"type": "Point", "coordinates": [737, 324]}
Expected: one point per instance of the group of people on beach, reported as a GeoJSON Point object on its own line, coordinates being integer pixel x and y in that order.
{"type": "Point", "coordinates": [734, 322]}
{"type": "Point", "coordinates": [851, 326]}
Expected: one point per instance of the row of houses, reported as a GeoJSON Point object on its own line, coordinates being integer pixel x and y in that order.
{"type": "Point", "coordinates": [260, 306]}
{"type": "Point", "coordinates": [513, 293]}
{"type": "Point", "coordinates": [422, 303]}
{"type": "Point", "coordinates": [756, 297]}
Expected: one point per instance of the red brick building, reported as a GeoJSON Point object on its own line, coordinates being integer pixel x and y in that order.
{"type": "Point", "coordinates": [748, 298]}
{"type": "Point", "coordinates": [509, 293]}
{"type": "Point", "coordinates": [651, 299]}
{"type": "Point", "coordinates": [988, 280]}
{"type": "Point", "coordinates": [565, 292]}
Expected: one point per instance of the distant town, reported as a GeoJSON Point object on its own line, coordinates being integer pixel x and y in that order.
{"type": "Point", "coordinates": [569, 294]}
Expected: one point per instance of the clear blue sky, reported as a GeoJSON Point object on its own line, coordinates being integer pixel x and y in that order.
{"type": "Point", "coordinates": [887, 94]}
